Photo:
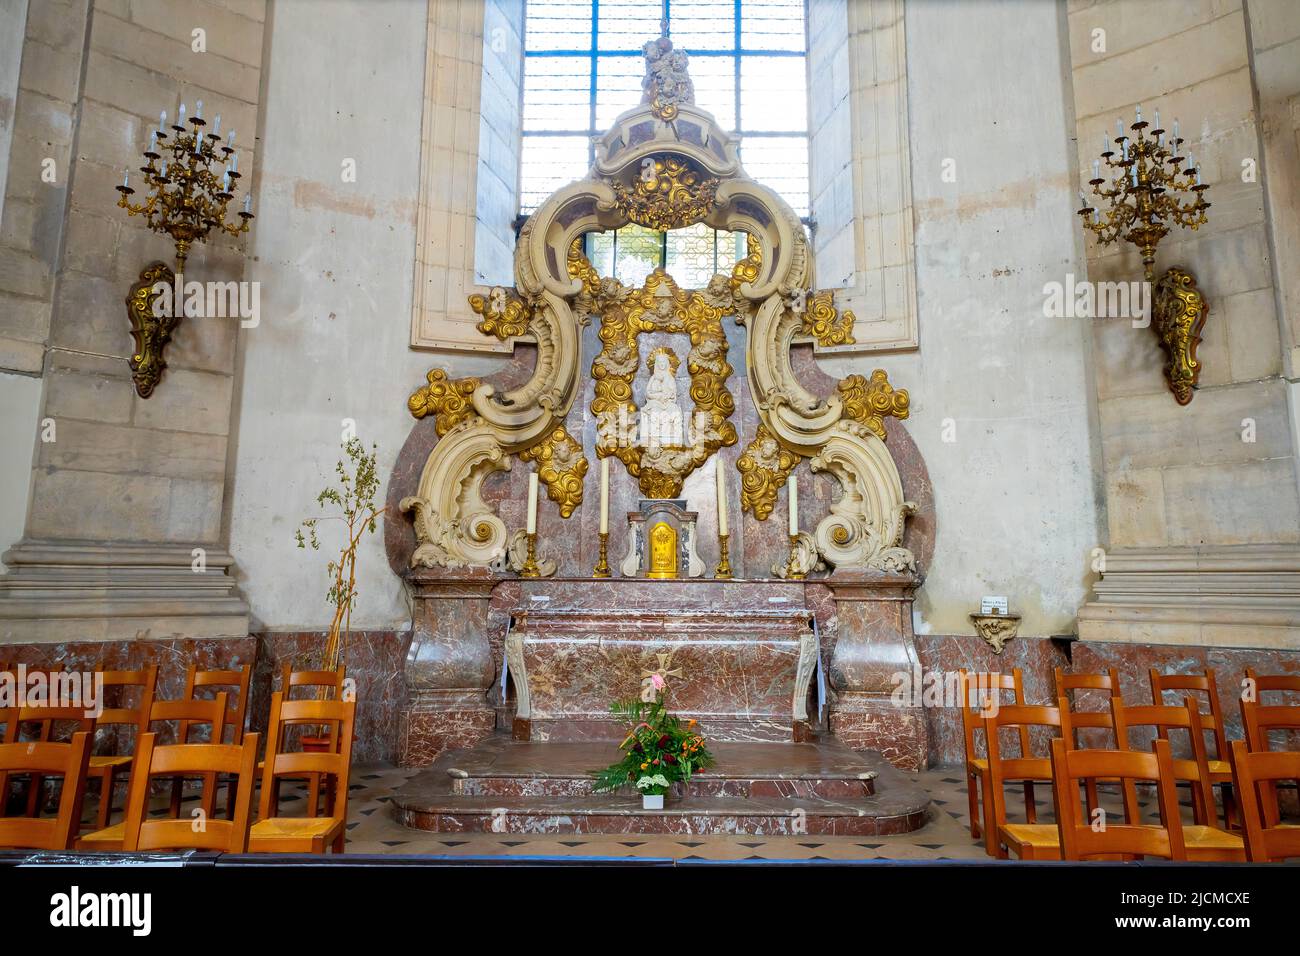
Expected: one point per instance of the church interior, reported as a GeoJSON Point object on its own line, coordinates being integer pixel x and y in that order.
{"type": "Point", "coordinates": [782, 431]}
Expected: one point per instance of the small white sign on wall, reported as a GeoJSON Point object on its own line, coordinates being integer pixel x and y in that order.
{"type": "Point", "coordinates": [993, 604]}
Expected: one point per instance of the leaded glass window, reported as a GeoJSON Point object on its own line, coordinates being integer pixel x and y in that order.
{"type": "Point", "coordinates": [583, 67]}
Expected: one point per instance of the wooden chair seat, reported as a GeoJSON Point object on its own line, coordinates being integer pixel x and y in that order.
{"type": "Point", "coordinates": [107, 840]}
{"type": "Point", "coordinates": [1220, 767]}
{"type": "Point", "coordinates": [979, 763]}
{"type": "Point", "coordinates": [1211, 843]}
{"type": "Point", "coordinates": [1032, 841]}
{"type": "Point", "coordinates": [294, 834]}
{"type": "Point", "coordinates": [109, 760]}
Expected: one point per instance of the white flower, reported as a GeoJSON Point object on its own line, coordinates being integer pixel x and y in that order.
{"type": "Point", "coordinates": [658, 780]}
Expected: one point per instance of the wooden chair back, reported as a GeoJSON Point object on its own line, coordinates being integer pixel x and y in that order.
{"type": "Point", "coordinates": [974, 688]}
{"type": "Point", "coordinates": [330, 681]}
{"type": "Point", "coordinates": [1258, 722]}
{"type": "Point", "coordinates": [1199, 683]}
{"type": "Point", "coordinates": [143, 684]}
{"type": "Point", "coordinates": [340, 717]}
{"type": "Point", "coordinates": [1193, 770]}
{"type": "Point", "coordinates": [68, 760]}
{"type": "Point", "coordinates": [205, 761]}
{"type": "Point", "coordinates": [1256, 684]}
{"type": "Point", "coordinates": [1107, 684]}
{"type": "Point", "coordinates": [1256, 773]}
{"type": "Point", "coordinates": [1083, 838]}
{"type": "Point", "coordinates": [187, 713]}
{"type": "Point", "coordinates": [239, 680]}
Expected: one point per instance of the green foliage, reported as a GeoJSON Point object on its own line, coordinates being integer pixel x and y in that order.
{"type": "Point", "coordinates": [659, 749]}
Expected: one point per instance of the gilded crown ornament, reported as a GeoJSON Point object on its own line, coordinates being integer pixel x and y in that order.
{"type": "Point", "coordinates": [1153, 187]}
{"type": "Point", "coordinates": [185, 198]}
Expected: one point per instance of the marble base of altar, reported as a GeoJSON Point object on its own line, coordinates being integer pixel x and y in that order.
{"type": "Point", "coordinates": [506, 786]}
{"type": "Point", "coordinates": [738, 656]}
{"type": "Point", "coordinates": [449, 667]}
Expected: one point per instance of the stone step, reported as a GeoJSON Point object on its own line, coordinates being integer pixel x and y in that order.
{"type": "Point", "coordinates": [506, 786]}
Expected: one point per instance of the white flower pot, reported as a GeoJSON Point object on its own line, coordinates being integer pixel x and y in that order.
{"type": "Point", "coordinates": [653, 801]}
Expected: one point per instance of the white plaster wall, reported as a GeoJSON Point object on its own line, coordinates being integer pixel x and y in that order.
{"type": "Point", "coordinates": [344, 80]}
{"type": "Point", "coordinates": [20, 404]}
{"type": "Point", "coordinates": [1015, 493]}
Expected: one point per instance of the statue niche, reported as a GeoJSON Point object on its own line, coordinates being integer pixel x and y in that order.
{"type": "Point", "coordinates": [661, 418]}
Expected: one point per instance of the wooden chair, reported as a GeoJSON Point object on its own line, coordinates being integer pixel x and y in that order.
{"type": "Point", "coordinates": [69, 760]}
{"type": "Point", "coordinates": [1030, 840]}
{"type": "Point", "coordinates": [1220, 769]}
{"type": "Point", "coordinates": [1083, 839]}
{"type": "Point", "coordinates": [275, 834]}
{"type": "Point", "coordinates": [44, 719]}
{"type": "Point", "coordinates": [187, 714]}
{"type": "Point", "coordinates": [1267, 839]}
{"type": "Point", "coordinates": [1202, 840]}
{"type": "Point", "coordinates": [204, 761]}
{"type": "Point", "coordinates": [106, 767]}
{"type": "Point", "coordinates": [323, 685]}
{"type": "Point", "coordinates": [973, 687]}
{"type": "Point", "coordinates": [238, 682]}
{"type": "Point", "coordinates": [1258, 722]}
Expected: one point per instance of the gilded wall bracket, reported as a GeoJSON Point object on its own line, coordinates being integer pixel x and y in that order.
{"type": "Point", "coordinates": [1178, 314]}
{"type": "Point", "coordinates": [150, 330]}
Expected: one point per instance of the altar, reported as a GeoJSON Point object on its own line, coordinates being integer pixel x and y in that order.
{"type": "Point", "coordinates": [753, 531]}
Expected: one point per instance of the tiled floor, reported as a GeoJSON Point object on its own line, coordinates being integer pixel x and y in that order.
{"type": "Point", "coordinates": [945, 836]}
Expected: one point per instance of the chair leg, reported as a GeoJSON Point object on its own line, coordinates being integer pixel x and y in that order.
{"type": "Point", "coordinates": [231, 784]}
{"type": "Point", "coordinates": [313, 794]}
{"type": "Point", "coordinates": [1031, 808]}
{"type": "Point", "coordinates": [973, 804]}
{"type": "Point", "coordinates": [1090, 795]}
{"type": "Point", "coordinates": [178, 787]}
{"type": "Point", "coordinates": [35, 791]}
{"type": "Point", "coordinates": [1229, 807]}
{"type": "Point", "coordinates": [105, 798]}
{"type": "Point", "coordinates": [990, 825]}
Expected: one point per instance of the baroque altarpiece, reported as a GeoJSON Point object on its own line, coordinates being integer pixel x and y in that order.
{"type": "Point", "coordinates": [798, 636]}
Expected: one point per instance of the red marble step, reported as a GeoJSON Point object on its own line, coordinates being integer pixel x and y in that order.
{"type": "Point", "coordinates": [507, 786]}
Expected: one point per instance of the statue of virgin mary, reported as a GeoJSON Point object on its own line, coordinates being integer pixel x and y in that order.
{"type": "Point", "coordinates": [661, 419]}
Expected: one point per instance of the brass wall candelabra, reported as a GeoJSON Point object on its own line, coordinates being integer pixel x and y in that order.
{"type": "Point", "coordinates": [1152, 187]}
{"type": "Point", "coordinates": [186, 198]}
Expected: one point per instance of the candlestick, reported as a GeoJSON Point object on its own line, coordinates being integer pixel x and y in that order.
{"type": "Point", "coordinates": [530, 568]}
{"type": "Point", "coordinates": [604, 496]}
{"type": "Point", "coordinates": [532, 504]}
{"type": "Point", "coordinates": [792, 571]}
{"type": "Point", "coordinates": [723, 570]}
{"type": "Point", "coordinates": [721, 477]}
{"type": "Point", "coordinates": [794, 506]}
{"type": "Point", "coordinates": [601, 570]}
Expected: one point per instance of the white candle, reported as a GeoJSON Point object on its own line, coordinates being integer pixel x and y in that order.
{"type": "Point", "coordinates": [794, 506]}
{"type": "Point", "coordinates": [216, 126]}
{"type": "Point", "coordinates": [1157, 119]}
{"type": "Point", "coordinates": [1096, 169]}
{"type": "Point", "coordinates": [1175, 127]}
{"type": "Point", "coordinates": [1119, 129]}
{"type": "Point", "coordinates": [198, 109]}
{"type": "Point", "coordinates": [230, 140]}
{"type": "Point", "coordinates": [1139, 112]}
{"type": "Point", "coordinates": [234, 163]}
{"type": "Point", "coordinates": [126, 178]}
{"type": "Point", "coordinates": [248, 203]}
{"type": "Point", "coordinates": [180, 116]}
{"type": "Point", "coordinates": [162, 120]}
{"type": "Point", "coordinates": [604, 496]}
{"type": "Point", "coordinates": [722, 498]}
{"type": "Point", "coordinates": [153, 140]}
{"type": "Point", "coordinates": [532, 503]}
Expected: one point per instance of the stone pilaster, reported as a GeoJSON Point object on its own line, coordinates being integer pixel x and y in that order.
{"type": "Point", "coordinates": [874, 645]}
{"type": "Point", "coordinates": [449, 669]}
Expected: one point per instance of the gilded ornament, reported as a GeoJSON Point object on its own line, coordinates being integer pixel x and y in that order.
{"type": "Point", "coordinates": [667, 83]}
{"type": "Point", "coordinates": [669, 193]}
{"type": "Point", "coordinates": [764, 467]}
{"type": "Point", "coordinates": [505, 314]}
{"type": "Point", "coordinates": [825, 323]}
{"type": "Point", "coordinates": [869, 401]}
{"type": "Point", "coordinates": [561, 466]}
{"type": "Point", "coordinates": [447, 399]}
{"type": "Point", "coordinates": [660, 306]}
{"type": "Point", "coordinates": [1178, 314]}
{"type": "Point", "coordinates": [150, 331]}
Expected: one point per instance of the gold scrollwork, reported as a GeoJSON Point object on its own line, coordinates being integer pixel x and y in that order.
{"type": "Point", "coordinates": [1178, 316]}
{"type": "Point", "coordinates": [764, 467]}
{"type": "Point", "coordinates": [869, 401]}
{"type": "Point", "coordinates": [504, 313]}
{"type": "Point", "coordinates": [827, 324]}
{"type": "Point", "coordinates": [151, 332]}
{"type": "Point", "coordinates": [561, 466]}
{"type": "Point", "coordinates": [660, 306]}
{"type": "Point", "coordinates": [447, 399]}
{"type": "Point", "coordinates": [746, 270]}
{"type": "Point", "coordinates": [669, 193]}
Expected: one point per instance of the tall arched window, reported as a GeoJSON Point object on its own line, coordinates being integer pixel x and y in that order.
{"type": "Point", "coordinates": [583, 67]}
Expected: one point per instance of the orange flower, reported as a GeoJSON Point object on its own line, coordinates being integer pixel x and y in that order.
{"type": "Point", "coordinates": [644, 765]}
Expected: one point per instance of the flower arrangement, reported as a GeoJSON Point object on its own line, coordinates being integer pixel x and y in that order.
{"type": "Point", "coordinates": [659, 750]}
